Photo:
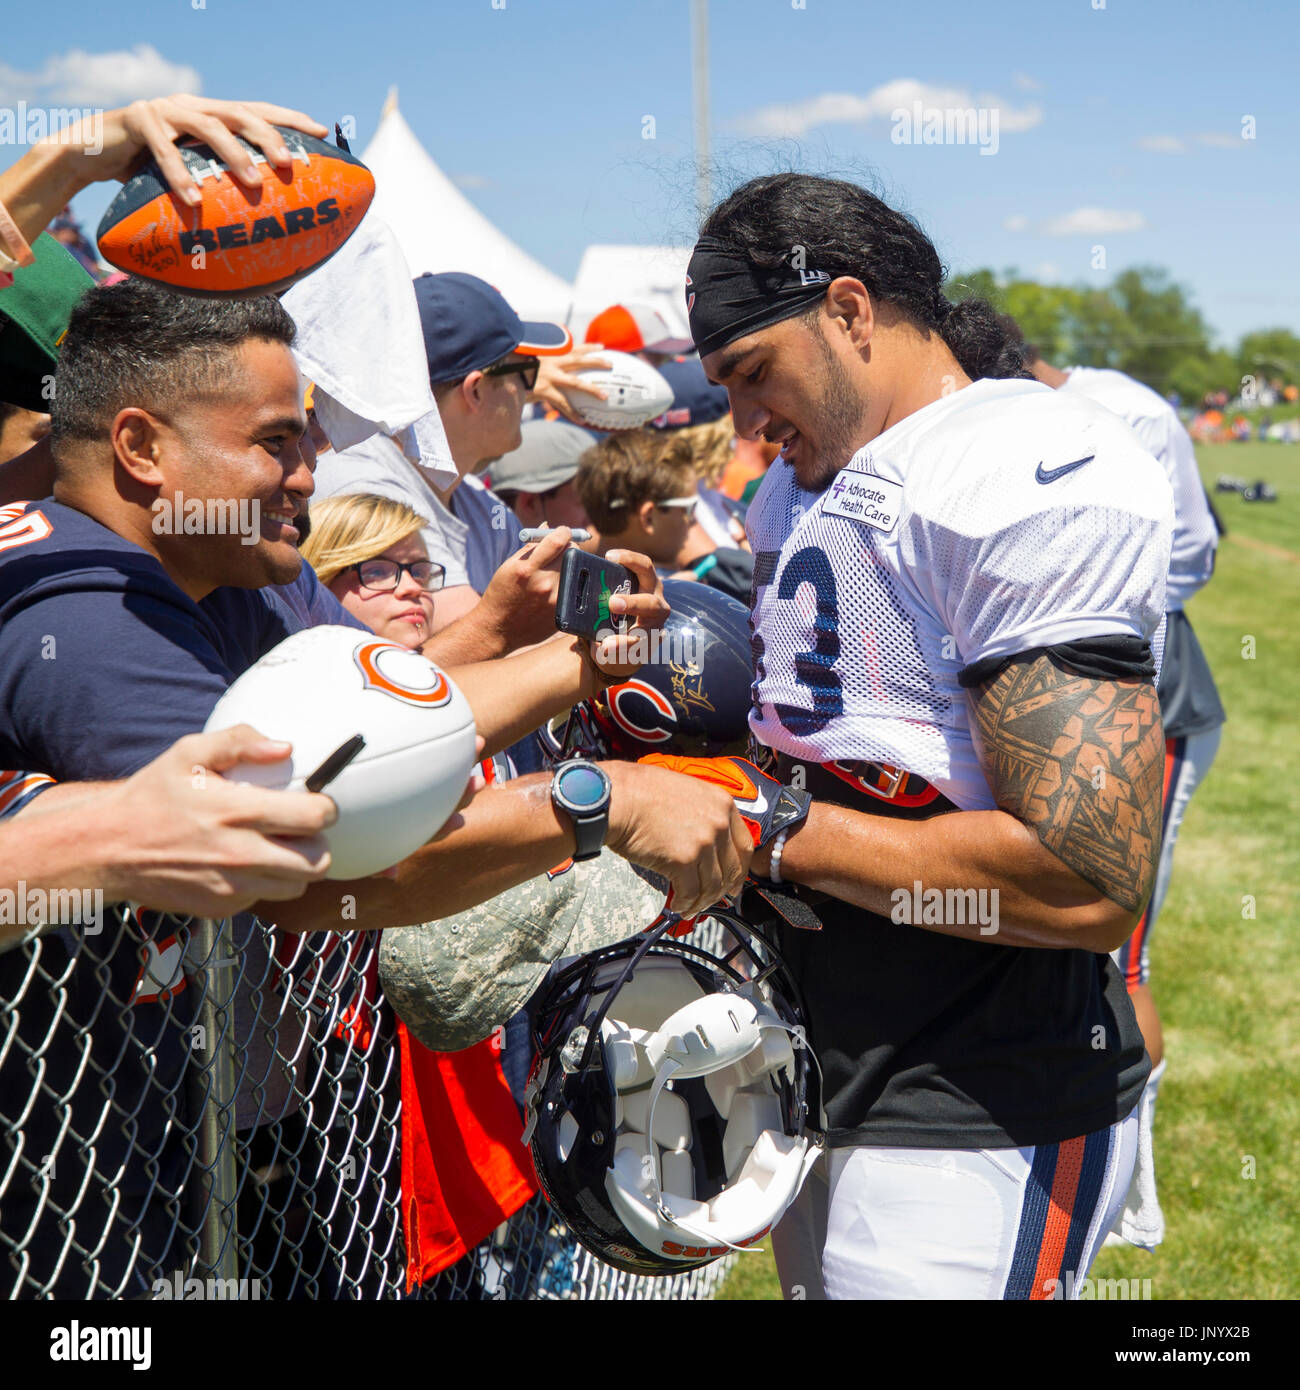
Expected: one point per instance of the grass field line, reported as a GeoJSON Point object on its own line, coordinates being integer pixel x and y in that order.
{"type": "Point", "coordinates": [1264, 547]}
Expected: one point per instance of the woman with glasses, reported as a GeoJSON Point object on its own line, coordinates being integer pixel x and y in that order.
{"type": "Point", "coordinates": [367, 551]}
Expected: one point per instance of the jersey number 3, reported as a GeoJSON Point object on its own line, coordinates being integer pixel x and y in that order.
{"type": "Point", "coordinates": [815, 668]}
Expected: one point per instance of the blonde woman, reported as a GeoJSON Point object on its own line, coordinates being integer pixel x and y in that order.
{"type": "Point", "coordinates": [367, 551]}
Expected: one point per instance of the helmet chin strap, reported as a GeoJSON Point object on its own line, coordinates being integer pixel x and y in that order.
{"type": "Point", "coordinates": [668, 1068]}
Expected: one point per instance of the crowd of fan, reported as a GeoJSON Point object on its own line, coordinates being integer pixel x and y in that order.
{"type": "Point", "coordinates": [113, 394]}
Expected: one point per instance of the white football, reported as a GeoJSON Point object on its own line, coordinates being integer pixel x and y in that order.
{"type": "Point", "coordinates": [634, 393]}
{"type": "Point", "coordinates": [324, 685]}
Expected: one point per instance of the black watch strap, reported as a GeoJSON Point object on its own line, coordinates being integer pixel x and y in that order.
{"type": "Point", "coordinates": [589, 833]}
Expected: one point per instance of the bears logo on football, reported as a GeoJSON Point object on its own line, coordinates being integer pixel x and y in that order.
{"type": "Point", "coordinates": [372, 657]}
{"type": "Point", "coordinates": [296, 220]}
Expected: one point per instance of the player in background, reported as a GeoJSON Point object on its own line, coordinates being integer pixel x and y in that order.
{"type": "Point", "coordinates": [957, 583]}
{"type": "Point", "coordinates": [1190, 710]}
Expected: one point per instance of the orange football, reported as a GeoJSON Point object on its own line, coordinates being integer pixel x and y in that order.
{"type": "Point", "coordinates": [236, 242]}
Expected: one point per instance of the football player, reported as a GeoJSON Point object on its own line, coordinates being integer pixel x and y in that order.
{"type": "Point", "coordinates": [1190, 710]}
{"type": "Point", "coordinates": [959, 575]}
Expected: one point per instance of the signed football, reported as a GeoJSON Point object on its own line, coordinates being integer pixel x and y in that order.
{"type": "Point", "coordinates": [635, 393]}
{"type": "Point", "coordinates": [321, 687]}
{"type": "Point", "coordinates": [237, 242]}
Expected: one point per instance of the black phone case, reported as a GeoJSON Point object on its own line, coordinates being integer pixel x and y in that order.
{"type": "Point", "coordinates": [577, 605]}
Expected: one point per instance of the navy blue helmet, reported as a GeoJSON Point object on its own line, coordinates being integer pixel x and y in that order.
{"type": "Point", "coordinates": [694, 700]}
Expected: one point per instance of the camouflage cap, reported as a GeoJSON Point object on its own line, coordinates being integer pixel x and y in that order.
{"type": "Point", "coordinates": [454, 980]}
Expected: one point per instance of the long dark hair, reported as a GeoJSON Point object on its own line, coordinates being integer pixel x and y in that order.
{"type": "Point", "coordinates": [842, 229]}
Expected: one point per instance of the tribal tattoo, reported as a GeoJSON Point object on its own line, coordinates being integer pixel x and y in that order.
{"type": "Point", "coordinates": [1080, 761]}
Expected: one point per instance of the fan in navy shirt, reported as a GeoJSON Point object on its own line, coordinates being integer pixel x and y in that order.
{"type": "Point", "coordinates": [104, 661]}
{"type": "Point", "coordinates": [117, 636]}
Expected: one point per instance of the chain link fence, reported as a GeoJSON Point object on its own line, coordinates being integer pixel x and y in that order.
{"type": "Point", "coordinates": [183, 1099]}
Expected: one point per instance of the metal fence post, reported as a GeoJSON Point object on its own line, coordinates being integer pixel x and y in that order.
{"type": "Point", "coordinates": [218, 1173]}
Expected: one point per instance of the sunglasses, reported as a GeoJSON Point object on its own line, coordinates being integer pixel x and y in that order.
{"type": "Point", "coordinates": [385, 575]}
{"type": "Point", "coordinates": [527, 368]}
{"type": "Point", "coordinates": [686, 504]}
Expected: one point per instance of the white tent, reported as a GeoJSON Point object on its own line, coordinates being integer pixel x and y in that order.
{"type": "Point", "coordinates": [653, 275]}
{"type": "Point", "coordinates": [439, 229]}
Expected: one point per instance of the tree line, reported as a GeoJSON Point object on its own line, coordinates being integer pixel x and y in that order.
{"type": "Point", "coordinates": [1143, 323]}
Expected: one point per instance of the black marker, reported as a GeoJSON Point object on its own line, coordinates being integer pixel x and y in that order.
{"type": "Point", "coordinates": [335, 763]}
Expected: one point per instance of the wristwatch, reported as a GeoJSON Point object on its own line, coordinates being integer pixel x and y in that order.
{"type": "Point", "coordinates": [581, 789]}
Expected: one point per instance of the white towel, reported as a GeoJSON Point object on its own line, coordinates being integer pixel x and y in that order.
{"type": "Point", "coordinates": [1141, 1222]}
{"type": "Point", "coordinates": [359, 340]}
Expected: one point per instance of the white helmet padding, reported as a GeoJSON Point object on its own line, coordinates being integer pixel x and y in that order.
{"type": "Point", "coordinates": [671, 1113]}
{"type": "Point", "coordinates": [737, 1044]}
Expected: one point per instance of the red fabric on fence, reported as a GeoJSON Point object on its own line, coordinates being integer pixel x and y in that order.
{"type": "Point", "coordinates": [464, 1170]}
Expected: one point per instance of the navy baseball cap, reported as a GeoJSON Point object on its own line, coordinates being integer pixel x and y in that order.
{"type": "Point", "coordinates": [696, 400]}
{"type": "Point", "coordinates": [468, 326]}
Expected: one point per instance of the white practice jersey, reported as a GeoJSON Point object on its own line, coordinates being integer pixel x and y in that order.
{"type": "Point", "coordinates": [1004, 517]}
{"type": "Point", "coordinates": [1156, 424]}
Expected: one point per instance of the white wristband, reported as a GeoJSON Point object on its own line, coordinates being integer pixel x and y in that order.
{"type": "Point", "coordinates": [778, 849]}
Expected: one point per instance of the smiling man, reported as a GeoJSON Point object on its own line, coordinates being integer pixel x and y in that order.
{"type": "Point", "coordinates": [958, 576]}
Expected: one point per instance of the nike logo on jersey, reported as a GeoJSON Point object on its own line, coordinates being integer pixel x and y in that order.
{"type": "Point", "coordinates": [1050, 475]}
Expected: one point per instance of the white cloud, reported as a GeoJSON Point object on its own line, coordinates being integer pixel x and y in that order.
{"type": "Point", "coordinates": [1162, 144]}
{"type": "Point", "coordinates": [1093, 222]}
{"type": "Point", "coordinates": [1022, 82]}
{"type": "Point", "coordinates": [1174, 144]}
{"type": "Point", "coordinates": [1047, 272]}
{"type": "Point", "coordinates": [1017, 222]}
{"type": "Point", "coordinates": [845, 108]}
{"type": "Point", "coordinates": [78, 78]}
{"type": "Point", "coordinates": [471, 181]}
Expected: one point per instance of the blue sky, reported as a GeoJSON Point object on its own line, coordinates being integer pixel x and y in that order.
{"type": "Point", "coordinates": [1118, 126]}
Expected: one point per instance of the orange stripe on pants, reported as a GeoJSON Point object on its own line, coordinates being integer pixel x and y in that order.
{"type": "Point", "coordinates": [1133, 966]}
{"type": "Point", "coordinates": [1056, 1229]}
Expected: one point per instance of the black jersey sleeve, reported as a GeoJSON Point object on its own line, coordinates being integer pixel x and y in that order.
{"type": "Point", "coordinates": [1113, 657]}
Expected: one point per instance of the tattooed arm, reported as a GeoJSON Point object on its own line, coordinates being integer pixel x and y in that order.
{"type": "Point", "coordinates": [1078, 761]}
{"type": "Point", "coordinates": [1075, 767]}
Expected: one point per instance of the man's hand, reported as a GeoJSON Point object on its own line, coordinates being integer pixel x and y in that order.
{"type": "Point", "coordinates": [555, 375]}
{"type": "Point", "coordinates": [686, 830]}
{"type": "Point", "coordinates": [112, 145]}
{"type": "Point", "coordinates": [619, 658]}
{"type": "Point", "coordinates": [183, 839]}
{"type": "Point", "coordinates": [519, 602]}
{"type": "Point", "coordinates": [766, 806]}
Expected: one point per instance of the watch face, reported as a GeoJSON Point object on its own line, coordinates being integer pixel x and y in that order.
{"type": "Point", "coordinates": [583, 786]}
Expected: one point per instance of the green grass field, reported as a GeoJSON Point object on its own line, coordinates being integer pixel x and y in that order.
{"type": "Point", "coordinates": [1228, 1121]}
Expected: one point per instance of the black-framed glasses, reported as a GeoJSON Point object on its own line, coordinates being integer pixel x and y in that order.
{"type": "Point", "coordinates": [386, 575]}
{"type": "Point", "coordinates": [527, 367]}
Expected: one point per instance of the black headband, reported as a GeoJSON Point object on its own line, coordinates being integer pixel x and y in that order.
{"type": "Point", "coordinates": [728, 296]}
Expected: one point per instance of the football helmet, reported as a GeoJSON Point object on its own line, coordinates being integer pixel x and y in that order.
{"type": "Point", "coordinates": [668, 1106]}
{"type": "Point", "coordinates": [696, 702]}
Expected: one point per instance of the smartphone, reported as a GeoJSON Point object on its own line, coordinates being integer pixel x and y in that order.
{"type": "Point", "coordinates": [587, 583]}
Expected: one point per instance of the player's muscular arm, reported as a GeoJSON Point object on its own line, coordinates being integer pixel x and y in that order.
{"type": "Point", "coordinates": [1079, 762]}
{"type": "Point", "coordinates": [1075, 765]}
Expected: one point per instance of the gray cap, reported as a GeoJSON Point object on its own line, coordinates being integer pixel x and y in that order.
{"type": "Point", "coordinates": [454, 980]}
{"type": "Point", "coordinates": [547, 458]}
